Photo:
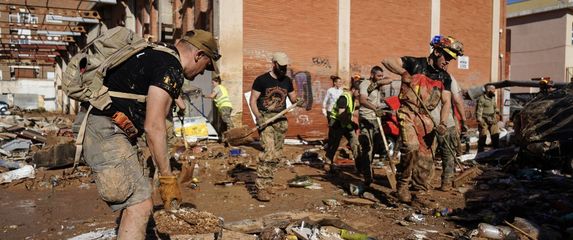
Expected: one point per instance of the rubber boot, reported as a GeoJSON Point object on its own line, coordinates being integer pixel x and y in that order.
{"type": "Point", "coordinates": [481, 143]}
{"type": "Point", "coordinates": [495, 141]}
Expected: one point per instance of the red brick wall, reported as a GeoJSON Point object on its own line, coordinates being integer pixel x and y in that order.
{"type": "Point", "coordinates": [390, 28]}
{"type": "Point", "coordinates": [307, 32]}
{"type": "Point", "coordinates": [471, 24]}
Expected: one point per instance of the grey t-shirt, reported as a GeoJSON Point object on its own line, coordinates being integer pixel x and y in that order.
{"type": "Point", "coordinates": [450, 122]}
{"type": "Point", "coordinates": [374, 98]}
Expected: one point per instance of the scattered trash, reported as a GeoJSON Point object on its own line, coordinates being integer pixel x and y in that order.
{"type": "Point", "coordinates": [356, 190]}
{"type": "Point", "coordinates": [331, 202]}
{"type": "Point", "coordinates": [186, 221]}
{"type": "Point", "coordinates": [444, 212]}
{"type": "Point", "coordinates": [349, 235]}
{"type": "Point", "coordinates": [310, 157]}
{"type": "Point", "coordinates": [416, 218]}
{"type": "Point", "coordinates": [235, 152]}
{"type": "Point", "coordinates": [314, 186]}
{"type": "Point", "coordinates": [23, 172]}
{"type": "Point", "coordinates": [11, 165]}
{"type": "Point", "coordinates": [495, 232]}
{"type": "Point", "coordinates": [300, 181]}
{"type": "Point", "coordinates": [100, 234]}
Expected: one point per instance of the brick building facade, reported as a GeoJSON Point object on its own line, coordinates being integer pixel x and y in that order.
{"type": "Point", "coordinates": [308, 31]}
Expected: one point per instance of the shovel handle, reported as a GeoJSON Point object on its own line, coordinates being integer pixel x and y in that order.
{"type": "Point", "coordinates": [385, 144]}
{"type": "Point", "coordinates": [277, 116]}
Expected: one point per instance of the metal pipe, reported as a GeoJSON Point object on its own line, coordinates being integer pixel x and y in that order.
{"type": "Point", "coordinates": [31, 42]}
{"type": "Point", "coordinates": [59, 33]}
{"type": "Point", "coordinates": [58, 18]}
{"type": "Point", "coordinates": [103, 1]}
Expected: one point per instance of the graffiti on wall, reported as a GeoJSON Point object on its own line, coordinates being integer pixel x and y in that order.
{"type": "Point", "coordinates": [304, 88]}
{"type": "Point", "coordinates": [321, 62]}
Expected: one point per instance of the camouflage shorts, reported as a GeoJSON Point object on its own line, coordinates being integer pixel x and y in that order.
{"type": "Point", "coordinates": [226, 116]}
{"type": "Point", "coordinates": [273, 137]}
{"type": "Point", "coordinates": [115, 162]}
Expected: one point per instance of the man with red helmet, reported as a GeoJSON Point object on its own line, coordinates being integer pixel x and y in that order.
{"type": "Point", "coordinates": [425, 84]}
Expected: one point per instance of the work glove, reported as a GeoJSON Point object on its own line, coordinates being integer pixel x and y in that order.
{"type": "Point", "coordinates": [379, 112]}
{"type": "Point", "coordinates": [170, 192]}
{"type": "Point", "coordinates": [442, 129]}
{"type": "Point", "coordinates": [299, 101]}
{"type": "Point", "coordinates": [406, 77]}
{"type": "Point", "coordinates": [324, 112]}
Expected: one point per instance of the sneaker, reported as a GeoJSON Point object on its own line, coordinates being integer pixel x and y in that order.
{"type": "Point", "coordinates": [263, 196]}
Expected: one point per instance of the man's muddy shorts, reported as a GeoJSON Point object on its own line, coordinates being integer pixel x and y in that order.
{"type": "Point", "coordinates": [114, 160]}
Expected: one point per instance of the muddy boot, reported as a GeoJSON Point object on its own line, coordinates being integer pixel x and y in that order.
{"type": "Point", "coordinates": [263, 195]}
{"type": "Point", "coordinates": [404, 194]}
{"type": "Point", "coordinates": [447, 185]}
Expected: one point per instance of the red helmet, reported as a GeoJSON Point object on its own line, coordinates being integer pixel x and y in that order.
{"type": "Point", "coordinates": [449, 44]}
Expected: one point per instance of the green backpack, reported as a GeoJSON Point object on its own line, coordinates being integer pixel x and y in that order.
{"type": "Point", "coordinates": [86, 71]}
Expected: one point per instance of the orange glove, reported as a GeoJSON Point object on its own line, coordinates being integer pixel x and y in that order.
{"type": "Point", "coordinates": [170, 192]}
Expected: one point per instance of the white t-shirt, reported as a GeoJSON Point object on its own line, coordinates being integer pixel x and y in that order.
{"type": "Point", "coordinates": [332, 94]}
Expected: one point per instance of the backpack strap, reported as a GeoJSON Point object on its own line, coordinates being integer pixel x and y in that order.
{"type": "Point", "coordinates": [137, 97]}
{"type": "Point", "coordinates": [80, 138]}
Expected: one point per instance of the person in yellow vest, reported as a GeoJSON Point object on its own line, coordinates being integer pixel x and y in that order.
{"type": "Point", "coordinates": [221, 97]}
{"type": "Point", "coordinates": [340, 124]}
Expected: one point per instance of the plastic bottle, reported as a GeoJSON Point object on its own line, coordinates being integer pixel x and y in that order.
{"type": "Point", "coordinates": [23, 172]}
{"type": "Point", "coordinates": [348, 235]}
{"type": "Point", "coordinates": [495, 232]}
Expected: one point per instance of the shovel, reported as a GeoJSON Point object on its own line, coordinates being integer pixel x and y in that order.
{"type": "Point", "coordinates": [242, 135]}
{"type": "Point", "coordinates": [391, 175]}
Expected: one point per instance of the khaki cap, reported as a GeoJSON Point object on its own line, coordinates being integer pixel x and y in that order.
{"type": "Point", "coordinates": [205, 42]}
{"type": "Point", "coordinates": [281, 58]}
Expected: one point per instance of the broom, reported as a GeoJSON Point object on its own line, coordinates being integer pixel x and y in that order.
{"type": "Point", "coordinates": [242, 135]}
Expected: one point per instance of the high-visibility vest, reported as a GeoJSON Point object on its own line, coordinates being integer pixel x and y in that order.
{"type": "Point", "coordinates": [349, 107]}
{"type": "Point", "coordinates": [223, 99]}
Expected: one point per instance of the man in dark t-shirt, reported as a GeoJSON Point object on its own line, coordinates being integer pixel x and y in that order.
{"type": "Point", "coordinates": [425, 85]}
{"type": "Point", "coordinates": [110, 147]}
{"type": "Point", "coordinates": [268, 97]}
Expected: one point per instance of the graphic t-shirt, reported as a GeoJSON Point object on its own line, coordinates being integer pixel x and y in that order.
{"type": "Point", "coordinates": [273, 92]}
{"type": "Point", "coordinates": [147, 68]}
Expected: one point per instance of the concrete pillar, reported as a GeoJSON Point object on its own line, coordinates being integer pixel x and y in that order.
{"type": "Point", "coordinates": [495, 32]}
{"type": "Point", "coordinates": [435, 19]}
{"type": "Point", "coordinates": [344, 39]}
{"type": "Point", "coordinates": [229, 32]}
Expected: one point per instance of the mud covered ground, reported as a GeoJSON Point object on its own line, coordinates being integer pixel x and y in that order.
{"type": "Point", "coordinates": [50, 207]}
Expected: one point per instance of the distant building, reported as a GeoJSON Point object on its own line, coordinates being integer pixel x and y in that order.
{"type": "Point", "coordinates": [540, 40]}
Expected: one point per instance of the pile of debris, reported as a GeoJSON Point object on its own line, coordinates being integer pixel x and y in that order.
{"type": "Point", "coordinates": [28, 143]}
